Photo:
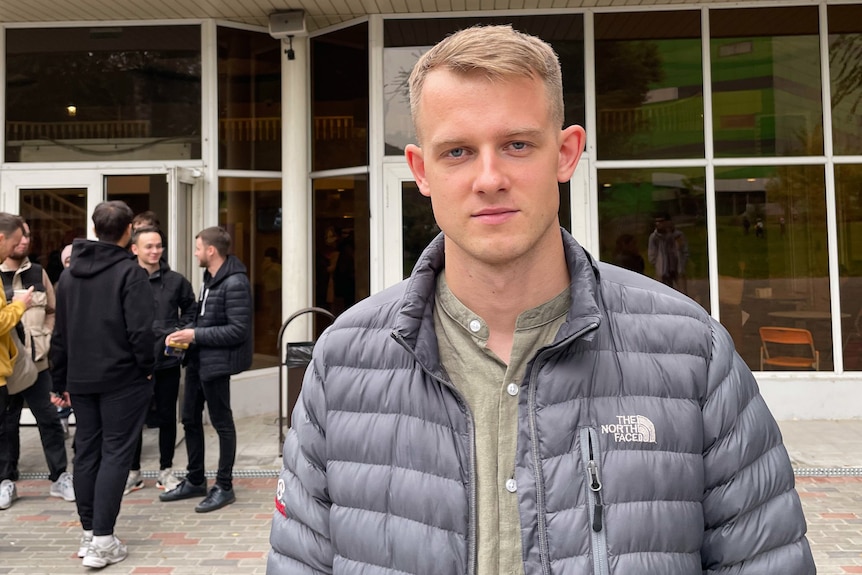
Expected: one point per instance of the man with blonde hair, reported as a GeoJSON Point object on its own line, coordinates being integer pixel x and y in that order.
{"type": "Point", "coordinates": [515, 406]}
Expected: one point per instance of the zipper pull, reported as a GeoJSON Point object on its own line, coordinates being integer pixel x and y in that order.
{"type": "Point", "coordinates": [596, 488]}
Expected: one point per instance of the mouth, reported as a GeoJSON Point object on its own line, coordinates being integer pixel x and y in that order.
{"type": "Point", "coordinates": [495, 215]}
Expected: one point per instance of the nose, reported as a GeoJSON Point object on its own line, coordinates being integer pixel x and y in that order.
{"type": "Point", "coordinates": [491, 176]}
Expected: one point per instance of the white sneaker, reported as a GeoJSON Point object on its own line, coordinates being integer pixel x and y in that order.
{"type": "Point", "coordinates": [98, 556]}
{"type": "Point", "coordinates": [86, 541]}
{"type": "Point", "coordinates": [134, 482]}
{"type": "Point", "coordinates": [167, 480]}
{"type": "Point", "coordinates": [63, 487]}
{"type": "Point", "coordinates": [8, 493]}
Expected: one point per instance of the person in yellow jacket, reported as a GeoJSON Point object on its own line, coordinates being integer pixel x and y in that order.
{"type": "Point", "coordinates": [11, 232]}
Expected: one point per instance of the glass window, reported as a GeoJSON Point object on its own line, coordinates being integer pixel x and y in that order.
{"type": "Point", "coordinates": [56, 216]}
{"type": "Point", "coordinates": [250, 210]}
{"type": "Point", "coordinates": [848, 195]}
{"type": "Point", "coordinates": [653, 221]}
{"type": "Point", "coordinates": [766, 82]}
{"type": "Point", "coordinates": [845, 67]}
{"type": "Point", "coordinates": [772, 255]}
{"type": "Point", "coordinates": [341, 242]}
{"type": "Point", "coordinates": [111, 93]}
{"type": "Point", "coordinates": [406, 40]}
{"type": "Point", "coordinates": [249, 96]}
{"type": "Point", "coordinates": [339, 94]}
{"type": "Point", "coordinates": [649, 85]}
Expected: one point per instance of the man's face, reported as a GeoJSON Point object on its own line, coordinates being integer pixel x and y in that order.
{"type": "Point", "coordinates": [490, 161]}
{"type": "Point", "coordinates": [201, 253]}
{"type": "Point", "coordinates": [148, 248]}
{"type": "Point", "coordinates": [661, 225]}
{"type": "Point", "coordinates": [8, 243]}
{"type": "Point", "coordinates": [22, 250]}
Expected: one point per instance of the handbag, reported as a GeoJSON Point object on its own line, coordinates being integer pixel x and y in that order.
{"type": "Point", "coordinates": [24, 372]}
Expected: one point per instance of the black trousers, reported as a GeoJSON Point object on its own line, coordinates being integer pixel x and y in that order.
{"type": "Point", "coordinates": [38, 398]}
{"type": "Point", "coordinates": [216, 394]}
{"type": "Point", "coordinates": [166, 390]}
{"type": "Point", "coordinates": [108, 427]}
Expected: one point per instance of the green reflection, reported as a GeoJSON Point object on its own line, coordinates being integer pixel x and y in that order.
{"type": "Point", "coordinates": [629, 203]}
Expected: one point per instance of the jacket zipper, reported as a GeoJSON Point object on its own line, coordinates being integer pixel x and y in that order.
{"type": "Point", "coordinates": [591, 459]}
{"type": "Point", "coordinates": [472, 548]}
{"type": "Point", "coordinates": [544, 551]}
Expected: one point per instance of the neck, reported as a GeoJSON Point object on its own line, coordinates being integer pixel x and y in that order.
{"type": "Point", "coordinates": [215, 265]}
{"type": "Point", "coordinates": [500, 294]}
{"type": "Point", "coordinates": [12, 263]}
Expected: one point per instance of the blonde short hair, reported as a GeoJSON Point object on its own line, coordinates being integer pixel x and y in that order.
{"type": "Point", "coordinates": [497, 52]}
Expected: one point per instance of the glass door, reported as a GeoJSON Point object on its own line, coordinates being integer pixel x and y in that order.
{"type": "Point", "coordinates": [408, 223]}
{"type": "Point", "coordinates": [56, 205]}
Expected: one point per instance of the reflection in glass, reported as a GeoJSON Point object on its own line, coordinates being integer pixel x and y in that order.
{"type": "Point", "coordinates": [772, 255]}
{"type": "Point", "coordinates": [406, 40]}
{"type": "Point", "coordinates": [766, 82]}
{"type": "Point", "coordinates": [250, 210]}
{"type": "Point", "coordinates": [653, 221]}
{"type": "Point", "coordinates": [56, 217]}
{"type": "Point", "coordinates": [146, 192]}
{"type": "Point", "coordinates": [339, 98]}
{"type": "Point", "coordinates": [418, 226]}
{"type": "Point", "coordinates": [341, 243]}
{"type": "Point", "coordinates": [116, 93]}
{"type": "Point", "coordinates": [249, 95]}
{"type": "Point", "coordinates": [845, 69]}
{"type": "Point", "coordinates": [649, 85]}
{"type": "Point", "coordinates": [848, 196]}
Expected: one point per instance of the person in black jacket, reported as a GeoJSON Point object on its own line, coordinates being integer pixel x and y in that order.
{"type": "Point", "coordinates": [175, 307]}
{"type": "Point", "coordinates": [102, 358]}
{"type": "Point", "coordinates": [220, 345]}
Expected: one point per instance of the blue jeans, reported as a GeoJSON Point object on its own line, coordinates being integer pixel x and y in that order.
{"type": "Point", "coordinates": [216, 394]}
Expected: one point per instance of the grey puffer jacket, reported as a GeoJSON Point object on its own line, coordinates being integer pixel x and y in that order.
{"type": "Point", "coordinates": [641, 396]}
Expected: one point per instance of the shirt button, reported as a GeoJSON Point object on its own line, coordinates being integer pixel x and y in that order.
{"type": "Point", "coordinates": [475, 325]}
{"type": "Point", "coordinates": [512, 389]}
{"type": "Point", "coordinates": [511, 485]}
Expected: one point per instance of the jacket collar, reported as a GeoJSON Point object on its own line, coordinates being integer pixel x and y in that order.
{"type": "Point", "coordinates": [25, 265]}
{"type": "Point", "coordinates": [415, 324]}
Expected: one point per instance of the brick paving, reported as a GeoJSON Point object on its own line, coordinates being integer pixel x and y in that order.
{"type": "Point", "coordinates": [39, 534]}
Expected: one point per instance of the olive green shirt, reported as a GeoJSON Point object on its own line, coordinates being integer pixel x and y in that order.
{"type": "Point", "coordinates": [491, 390]}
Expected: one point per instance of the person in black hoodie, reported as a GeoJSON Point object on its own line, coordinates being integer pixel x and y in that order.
{"type": "Point", "coordinates": [220, 346]}
{"type": "Point", "coordinates": [102, 358]}
{"type": "Point", "coordinates": [175, 307]}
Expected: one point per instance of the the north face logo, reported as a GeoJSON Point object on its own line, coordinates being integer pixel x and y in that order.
{"type": "Point", "coordinates": [630, 428]}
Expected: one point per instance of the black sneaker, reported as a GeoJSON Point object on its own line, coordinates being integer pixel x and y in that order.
{"type": "Point", "coordinates": [185, 490]}
{"type": "Point", "coordinates": [216, 499]}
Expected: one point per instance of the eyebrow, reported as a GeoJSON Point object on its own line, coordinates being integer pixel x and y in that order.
{"type": "Point", "coordinates": [515, 134]}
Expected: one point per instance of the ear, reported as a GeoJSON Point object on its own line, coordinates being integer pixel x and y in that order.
{"type": "Point", "coordinates": [572, 141]}
{"type": "Point", "coordinates": [416, 162]}
{"type": "Point", "coordinates": [135, 249]}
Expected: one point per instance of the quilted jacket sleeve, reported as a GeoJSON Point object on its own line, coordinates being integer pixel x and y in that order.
{"type": "Point", "coordinates": [752, 513]}
{"type": "Point", "coordinates": [300, 526]}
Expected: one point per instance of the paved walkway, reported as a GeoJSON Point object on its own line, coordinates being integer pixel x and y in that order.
{"type": "Point", "coordinates": [39, 534]}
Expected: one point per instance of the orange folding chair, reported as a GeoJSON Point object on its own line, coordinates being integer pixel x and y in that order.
{"type": "Point", "coordinates": [787, 339]}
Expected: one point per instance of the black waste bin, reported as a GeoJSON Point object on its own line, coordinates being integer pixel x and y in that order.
{"type": "Point", "coordinates": [297, 356]}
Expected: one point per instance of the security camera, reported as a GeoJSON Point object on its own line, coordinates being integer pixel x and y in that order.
{"type": "Point", "coordinates": [291, 55]}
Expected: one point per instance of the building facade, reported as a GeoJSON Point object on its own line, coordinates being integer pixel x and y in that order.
{"type": "Point", "coordinates": [732, 128]}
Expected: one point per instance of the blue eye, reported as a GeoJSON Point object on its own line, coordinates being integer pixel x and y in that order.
{"type": "Point", "coordinates": [519, 145]}
{"type": "Point", "coordinates": [457, 152]}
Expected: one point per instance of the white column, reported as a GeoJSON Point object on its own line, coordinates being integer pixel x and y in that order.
{"type": "Point", "coordinates": [297, 264]}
